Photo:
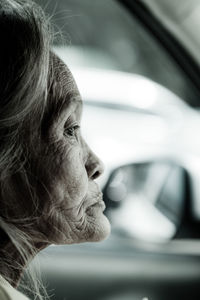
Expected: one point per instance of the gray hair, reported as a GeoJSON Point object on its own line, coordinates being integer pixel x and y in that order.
{"type": "Point", "coordinates": [24, 74]}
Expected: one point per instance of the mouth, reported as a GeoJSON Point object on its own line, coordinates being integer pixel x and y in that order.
{"type": "Point", "coordinates": [98, 204]}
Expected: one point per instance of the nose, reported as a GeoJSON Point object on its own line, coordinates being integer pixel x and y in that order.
{"type": "Point", "coordinates": [94, 166]}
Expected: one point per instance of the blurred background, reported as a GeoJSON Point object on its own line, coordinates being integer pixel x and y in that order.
{"type": "Point", "coordinates": [136, 64]}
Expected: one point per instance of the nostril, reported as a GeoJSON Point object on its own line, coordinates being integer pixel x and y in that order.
{"type": "Point", "coordinates": [94, 166]}
{"type": "Point", "coordinates": [96, 175]}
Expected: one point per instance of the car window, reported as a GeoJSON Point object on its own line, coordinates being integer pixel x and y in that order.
{"type": "Point", "coordinates": [102, 34]}
{"type": "Point", "coordinates": [137, 107]}
{"type": "Point", "coordinates": [135, 99]}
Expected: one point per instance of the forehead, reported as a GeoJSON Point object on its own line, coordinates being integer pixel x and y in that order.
{"type": "Point", "coordinates": [63, 93]}
{"type": "Point", "coordinates": [61, 76]}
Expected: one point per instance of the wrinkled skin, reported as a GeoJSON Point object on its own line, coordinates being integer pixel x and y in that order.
{"type": "Point", "coordinates": [56, 191]}
{"type": "Point", "coordinates": [54, 198]}
{"type": "Point", "coordinates": [74, 211]}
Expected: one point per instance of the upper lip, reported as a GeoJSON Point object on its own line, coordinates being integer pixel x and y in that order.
{"type": "Point", "coordinates": [99, 197]}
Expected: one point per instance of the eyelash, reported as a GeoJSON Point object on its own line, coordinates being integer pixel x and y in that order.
{"type": "Point", "coordinates": [71, 131]}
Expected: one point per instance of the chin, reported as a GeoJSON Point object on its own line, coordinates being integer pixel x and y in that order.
{"type": "Point", "coordinates": [96, 228]}
{"type": "Point", "coordinates": [99, 230]}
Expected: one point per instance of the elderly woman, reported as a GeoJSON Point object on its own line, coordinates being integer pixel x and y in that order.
{"type": "Point", "coordinates": [48, 192]}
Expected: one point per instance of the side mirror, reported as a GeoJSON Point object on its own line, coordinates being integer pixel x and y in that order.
{"type": "Point", "coordinates": [147, 200]}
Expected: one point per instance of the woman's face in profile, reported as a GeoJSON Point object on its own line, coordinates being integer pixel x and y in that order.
{"type": "Point", "coordinates": [72, 206]}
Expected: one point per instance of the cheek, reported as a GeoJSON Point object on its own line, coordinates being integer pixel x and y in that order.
{"type": "Point", "coordinates": [72, 193]}
{"type": "Point", "coordinates": [73, 180]}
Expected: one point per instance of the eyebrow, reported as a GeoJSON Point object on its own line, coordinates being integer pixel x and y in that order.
{"type": "Point", "coordinates": [67, 103]}
{"type": "Point", "coordinates": [56, 109]}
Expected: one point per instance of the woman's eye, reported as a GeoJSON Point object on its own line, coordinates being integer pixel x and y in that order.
{"type": "Point", "coordinates": [71, 131]}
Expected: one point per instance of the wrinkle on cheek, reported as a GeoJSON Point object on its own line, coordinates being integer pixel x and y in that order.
{"type": "Point", "coordinates": [72, 225]}
{"type": "Point", "coordinates": [75, 176]}
{"type": "Point", "coordinates": [82, 228]}
{"type": "Point", "coordinates": [71, 194]}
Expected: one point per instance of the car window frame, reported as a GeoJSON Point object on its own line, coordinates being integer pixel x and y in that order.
{"type": "Point", "coordinates": [183, 59]}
